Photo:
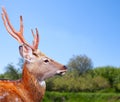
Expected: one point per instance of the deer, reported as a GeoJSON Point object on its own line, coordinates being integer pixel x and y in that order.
{"type": "Point", "coordinates": [36, 69]}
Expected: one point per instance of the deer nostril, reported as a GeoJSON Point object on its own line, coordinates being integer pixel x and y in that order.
{"type": "Point", "coordinates": [65, 67]}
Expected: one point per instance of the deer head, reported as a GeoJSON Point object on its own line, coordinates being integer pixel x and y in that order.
{"type": "Point", "coordinates": [37, 63]}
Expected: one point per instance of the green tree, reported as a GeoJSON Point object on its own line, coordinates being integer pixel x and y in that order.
{"type": "Point", "coordinates": [81, 63]}
{"type": "Point", "coordinates": [12, 72]}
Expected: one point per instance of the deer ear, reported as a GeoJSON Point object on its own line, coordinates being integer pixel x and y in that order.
{"type": "Point", "coordinates": [26, 52]}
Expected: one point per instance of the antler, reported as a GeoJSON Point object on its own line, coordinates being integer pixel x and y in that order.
{"type": "Point", "coordinates": [36, 39]}
{"type": "Point", "coordinates": [19, 35]}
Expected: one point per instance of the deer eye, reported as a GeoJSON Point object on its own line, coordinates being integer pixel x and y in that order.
{"type": "Point", "coordinates": [46, 60]}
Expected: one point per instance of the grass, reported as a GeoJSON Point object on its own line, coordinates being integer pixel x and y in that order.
{"type": "Point", "coordinates": [81, 97]}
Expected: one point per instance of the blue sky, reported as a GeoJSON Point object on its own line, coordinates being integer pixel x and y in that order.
{"type": "Point", "coordinates": [67, 28]}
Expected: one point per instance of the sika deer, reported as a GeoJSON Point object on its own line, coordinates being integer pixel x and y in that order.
{"type": "Point", "coordinates": [37, 67]}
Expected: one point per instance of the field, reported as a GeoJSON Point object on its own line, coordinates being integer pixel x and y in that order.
{"type": "Point", "coordinates": [81, 97]}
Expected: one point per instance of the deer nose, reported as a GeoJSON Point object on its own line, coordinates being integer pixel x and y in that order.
{"type": "Point", "coordinates": [65, 67]}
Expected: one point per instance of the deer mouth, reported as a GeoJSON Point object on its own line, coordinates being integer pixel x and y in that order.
{"type": "Point", "coordinates": [61, 72]}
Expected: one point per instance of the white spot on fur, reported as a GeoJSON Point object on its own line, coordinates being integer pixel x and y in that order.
{"type": "Point", "coordinates": [42, 83]}
{"type": "Point", "coordinates": [4, 95]}
{"type": "Point", "coordinates": [16, 99]}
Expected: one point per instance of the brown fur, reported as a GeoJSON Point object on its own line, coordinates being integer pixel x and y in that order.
{"type": "Point", "coordinates": [26, 89]}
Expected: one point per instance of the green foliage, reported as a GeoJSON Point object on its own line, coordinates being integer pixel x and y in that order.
{"type": "Point", "coordinates": [72, 82]}
{"type": "Point", "coordinates": [102, 79]}
{"type": "Point", "coordinates": [81, 97]}
{"type": "Point", "coordinates": [112, 74]}
{"type": "Point", "coordinates": [11, 73]}
{"type": "Point", "coordinates": [80, 63]}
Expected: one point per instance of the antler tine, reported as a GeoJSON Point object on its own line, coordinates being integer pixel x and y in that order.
{"type": "Point", "coordinates": [7, 28]}
{"type": "Point", "coordinates": [21, 26]}
{"type": "Point", "coordinates": [17, 35]}
{"type": "Point", "coordinates": [10, 28]}
{"type": "Point", "coordinates": [36, 39]}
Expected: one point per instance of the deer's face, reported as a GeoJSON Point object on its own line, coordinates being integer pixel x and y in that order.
{"type": "Point", "coordinates": [41, 66]}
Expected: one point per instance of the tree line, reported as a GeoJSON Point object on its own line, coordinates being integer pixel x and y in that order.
{"type": "Point", "coordinates": [81, 77]}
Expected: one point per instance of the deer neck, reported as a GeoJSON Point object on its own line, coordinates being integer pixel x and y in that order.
{"type": "Point", "coordinates": [35, 88]}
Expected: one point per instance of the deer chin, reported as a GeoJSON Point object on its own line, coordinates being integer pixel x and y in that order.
{"type": "Point", "coordinates": [60, 72]}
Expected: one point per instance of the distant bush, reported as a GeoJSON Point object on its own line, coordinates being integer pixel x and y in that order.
{"type": "Point", "coordinates": [73, 83]}
{"type": "Point", "coordinates": [112, 74]}
{"type": "Point", "coordinates": [80, 63]}
{"type": "Point", "coordinates": [11, 73]}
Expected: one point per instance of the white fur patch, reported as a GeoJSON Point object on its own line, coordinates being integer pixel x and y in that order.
{"type": "Point", "coordinates": [16, 100]}
{"type": "Point", "coordinates": [42, 83]}
{"type": "Point", "coordinates": [4, 95]}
